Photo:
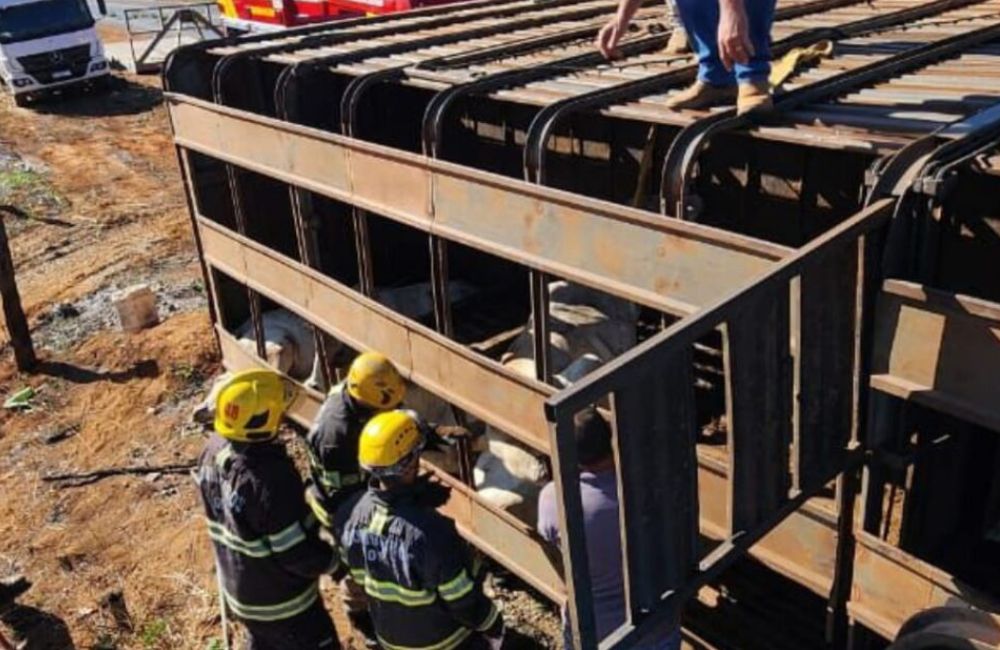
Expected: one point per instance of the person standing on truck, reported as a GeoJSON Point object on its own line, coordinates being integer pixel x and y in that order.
{"type": "Point", "coordinates": [373, 385]}
{"type": "Point", "coordinates": [423, 590]}
{"type": "Point", "coordinates": [599, 492]}
{"type": "Point", "coordinates": [732, 39]}
{"type": "Point", "coordinates": [268, 551]}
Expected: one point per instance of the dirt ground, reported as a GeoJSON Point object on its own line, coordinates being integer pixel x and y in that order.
{"type": "Point", "coordinates": [121, 562]}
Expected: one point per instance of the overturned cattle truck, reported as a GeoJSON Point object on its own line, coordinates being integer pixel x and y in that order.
{"type": "Point", "coordinates": [810, 373]}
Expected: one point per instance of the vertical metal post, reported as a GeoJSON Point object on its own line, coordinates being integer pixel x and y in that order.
{"type": "Point", "coordinates": [253, 298]}
{"type": "Point", "coordinates": [17, 323]}
{"type": "Point", "coordinates": [304, 219]}
{"type": "Point", "coordinates": [540, 325]}
{"type": "Point", "coordinates": [572, 535]}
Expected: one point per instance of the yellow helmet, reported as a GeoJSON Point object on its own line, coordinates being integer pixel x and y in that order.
{"type": "Point", "coordinates": [388, 442]}
{"type": "Point", "coordinates": [250, 405]}
{"type": "Point", "coordinates": [374, 382]}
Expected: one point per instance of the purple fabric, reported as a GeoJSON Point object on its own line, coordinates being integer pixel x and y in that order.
{"type": "Point", "coordinates": [600, 514]}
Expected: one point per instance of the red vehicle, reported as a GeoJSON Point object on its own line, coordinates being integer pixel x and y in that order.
{"type": "Point", "coordinates": [243, 16]}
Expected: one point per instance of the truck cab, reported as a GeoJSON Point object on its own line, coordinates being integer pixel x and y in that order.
{"type": "Point", "coordinates": [48, 44]}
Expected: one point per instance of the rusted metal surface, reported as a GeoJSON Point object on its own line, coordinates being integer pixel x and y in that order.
{"type": "Point", "coordinates": [496, 80]}
{"type": "Point", "coordinates": [474, 383]}
{"type": "Point", "coordinates": [666, 265]}
{"type": "Point", "coordinates": [890, 586]}
{"type": "Point", "coordinates": [666, 353]}
{"type": "Point", "coordinates": [939, 350]}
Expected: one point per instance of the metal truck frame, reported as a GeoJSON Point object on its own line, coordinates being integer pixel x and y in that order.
{"type": "Point", "coordinates": [824, 350]}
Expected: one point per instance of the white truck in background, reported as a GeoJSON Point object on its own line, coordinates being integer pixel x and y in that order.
{"type": "Point", "coordinates": [47, 45]}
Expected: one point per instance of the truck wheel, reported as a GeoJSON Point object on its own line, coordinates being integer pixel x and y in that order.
{"type": "Point", "coordinates": [21, 100]}
{"type": "Point", "coordinates": [949, 628]}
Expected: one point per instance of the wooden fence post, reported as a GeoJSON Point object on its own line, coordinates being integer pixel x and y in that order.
{"type": "Point", "coordinates": [17, 323]}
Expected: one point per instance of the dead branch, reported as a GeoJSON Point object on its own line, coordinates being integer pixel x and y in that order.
{"type": "Point", "coordinates": [78, 479]}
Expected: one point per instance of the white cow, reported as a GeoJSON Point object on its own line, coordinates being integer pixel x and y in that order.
{"type": "Point", "coordinates": [586, 328]}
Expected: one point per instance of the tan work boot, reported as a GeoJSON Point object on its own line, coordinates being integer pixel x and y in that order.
{"type": "Point", "coordinates": [702, 95]}
{"type": "Point", "coordinates": [754, 96]}
{"type": "Point", "coordinates": [678, 42]}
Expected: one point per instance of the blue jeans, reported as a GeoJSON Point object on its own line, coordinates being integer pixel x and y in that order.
{"type": "Point", "coordinates": [701, 21]}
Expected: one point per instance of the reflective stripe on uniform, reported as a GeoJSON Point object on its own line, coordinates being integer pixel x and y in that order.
{"type": "Point", "coordinates": [265, 546]}
{"type": "Point", "coordinates": [250, 548]}
{"type": "Point", "coordinates": [394, 593]}
{"type": "Point", "coordinates": [491, 618]}
{"type": "Point", "coordinates": [277, 612]}
{"type": "Point", "coordinates": [287, 538]}
{"type": "Point", "coordinates": [453, 641]}
{"type": "Point", "coordinates": [457, 588]}
{"type": "Point", "coordinates": [222, 456]}
{"type": "Point", "coordinates": [318, 510]}
{"type": "Point", "coordinates": [378, 521]}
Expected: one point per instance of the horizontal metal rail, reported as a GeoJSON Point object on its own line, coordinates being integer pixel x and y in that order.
{"type": "Point", "coordinates": [660, 484]}
{"type": "Point", "coordinates": [547, 119]}
{"type": "Point", "coordinates": [667, 265]}
{"type": "Point", "coordinates": [680, 161]}
{"type": "Point", "coordinates": [472, 382]}
{"type": "Point", "coordinates": [453, 18]}
{"type": "Point", "coordinates": [928, 351]}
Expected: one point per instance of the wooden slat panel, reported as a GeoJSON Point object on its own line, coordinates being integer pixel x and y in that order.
{"type": "Point", "coordinates": [663, 263]}
{"type": "Point", "coordinates": [655, 437]}
{"type": "Point", "coordinates": [758, 402]}
{"type": "Point", "coordinates": [473, 383]}
{"type": "Point", "coordinates": [509, 541]}
{"type": "Point", "coordinates": [940, 350]}
{"type": "Point", "coordinates": [826, 358]}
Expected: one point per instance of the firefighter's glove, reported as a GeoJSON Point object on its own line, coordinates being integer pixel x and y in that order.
{"type": "Point", "coordinates": [338, 570]}
{"type": "Point", "coordinates": [451, 433]}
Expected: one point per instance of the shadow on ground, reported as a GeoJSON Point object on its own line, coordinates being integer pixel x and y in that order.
{"type": "Point", "coordinates": [78, 375]}
{"type": "Point", "coordinates": [36, 629]}
{"type": "Point", "coordinates": [118, 96]}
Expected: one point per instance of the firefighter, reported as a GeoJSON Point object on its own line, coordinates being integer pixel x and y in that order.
{"type": "Point", "coordinates": [267, 548]}
{"type": "Point", "coordinates": [373, 385]}
{"type": "Point", "coordinates": [423, 591]}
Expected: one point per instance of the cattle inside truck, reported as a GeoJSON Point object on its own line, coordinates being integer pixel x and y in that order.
{"type": "Point", "coordinates": [750, 415]}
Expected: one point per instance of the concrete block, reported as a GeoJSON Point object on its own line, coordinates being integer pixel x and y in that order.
{"type": "Point", "coordinates": [136, 308]}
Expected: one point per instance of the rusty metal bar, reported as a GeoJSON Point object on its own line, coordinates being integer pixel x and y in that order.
{"type": "Point", "coordinates": [688, 330]}
{"type": "Point", "coordinates": [573, 535]}
{"type": "Point", "coordinates": [825, 351]}
{"type": "Point", "coordinates": [475, 384]}
{"type": "Point", "coordinates": [667, 265]}
{"type": "Point", "coordinates": [926, 351]}
{"type": "Point", "coordinates": [16, 321]}
{"type": "Point", "coordinates": [657, 355]}
{"type": "Point", "coordinates": [678, 167]}
{"type": "Point", "coordinates": [758, 401]}
{"type": "Point", "coordinates": [655, 435]}
{"type": "Point", "coordinates": [547, 119]}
